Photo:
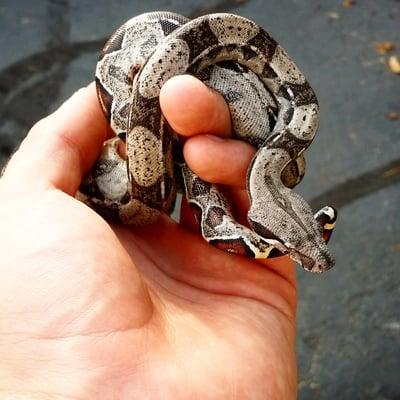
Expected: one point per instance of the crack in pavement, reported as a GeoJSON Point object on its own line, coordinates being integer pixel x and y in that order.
{"type": "Point", "coordinates": [61, 50]}
{"type": "Point", "coordinates": [359, 186]}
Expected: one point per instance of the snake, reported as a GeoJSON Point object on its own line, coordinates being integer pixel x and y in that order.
{"type": "Point", "coordinates": [272, 107]}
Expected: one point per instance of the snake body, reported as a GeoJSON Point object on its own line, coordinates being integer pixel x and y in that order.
{"type": "Point", "coordinates": [272, 105]}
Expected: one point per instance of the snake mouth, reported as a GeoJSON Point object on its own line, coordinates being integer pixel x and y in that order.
{"type": "Point", "coordinates": [319, 265]}
{"type": "Point", "coordinates": [306, 262]}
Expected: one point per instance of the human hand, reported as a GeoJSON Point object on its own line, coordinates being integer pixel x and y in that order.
{"type": "Point", "coordinates": [89, 310]}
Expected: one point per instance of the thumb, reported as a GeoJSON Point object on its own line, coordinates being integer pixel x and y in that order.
{"type": "Point", "coordinates": [60, 148]}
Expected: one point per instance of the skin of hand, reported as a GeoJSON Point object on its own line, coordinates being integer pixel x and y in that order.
{"type": "Point", "coordinates": [93, 311]}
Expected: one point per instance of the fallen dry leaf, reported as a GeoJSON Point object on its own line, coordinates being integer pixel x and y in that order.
{"type": "Point", "coordinates": [391, 172]}
{"type": "Point", "coordinates": [395, 248]}
{"type": "Point", "coordinates": [384, 47]}
{"type": "Point", "coordinates": [392, 115]}
{"type": "Point", "coordinates": [349, 3]}
{"type": "Point", "coordinates": [333, 15]}
{"type": "Point", "coordinates": [394, 64]}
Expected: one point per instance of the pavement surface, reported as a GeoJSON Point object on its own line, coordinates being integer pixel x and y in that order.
{"type": "Point", "coordinates": [349, 318]}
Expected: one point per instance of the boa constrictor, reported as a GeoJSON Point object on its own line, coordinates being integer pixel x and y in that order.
{"type": "Point", "coordinates": [273, 107]}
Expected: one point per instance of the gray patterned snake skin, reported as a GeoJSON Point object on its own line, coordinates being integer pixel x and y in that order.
{"type": "Point", "coordinates": [272, 107]}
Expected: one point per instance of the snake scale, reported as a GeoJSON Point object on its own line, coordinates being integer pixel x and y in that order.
{"type": "Point", "coordinates": [272, 106]}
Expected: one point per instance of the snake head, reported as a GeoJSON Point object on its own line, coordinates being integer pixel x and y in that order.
{"type": "Point", "coordinates": [278, 213]}
{"type": "Point", "coordinates": [291, 223]}
{"type": "Point", "coordinates": [311, 256]}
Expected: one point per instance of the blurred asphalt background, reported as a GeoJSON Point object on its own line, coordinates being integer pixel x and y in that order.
{"type": "Point", "coordinates": [349, 318]}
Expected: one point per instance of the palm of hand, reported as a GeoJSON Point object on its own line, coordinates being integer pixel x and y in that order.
{"type": "Point", "coordinates": [153, 312]}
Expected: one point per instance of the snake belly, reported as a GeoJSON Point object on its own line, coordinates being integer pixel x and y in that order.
{"type": "Point", "coordinates": [272, 106]}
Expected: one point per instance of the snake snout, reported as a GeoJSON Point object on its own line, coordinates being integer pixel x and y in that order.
{"type": "Point", "coordinates": [323, 262]}
{"type": "Point", "coordinates": [317, 264]}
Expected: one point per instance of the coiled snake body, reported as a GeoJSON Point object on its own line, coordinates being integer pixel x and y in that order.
{"type": "Point", "coordinates": [272, 106]}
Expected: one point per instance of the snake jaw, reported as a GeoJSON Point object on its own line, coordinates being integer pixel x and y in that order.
{"type": "Point", "coordinates": [320, 261]}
